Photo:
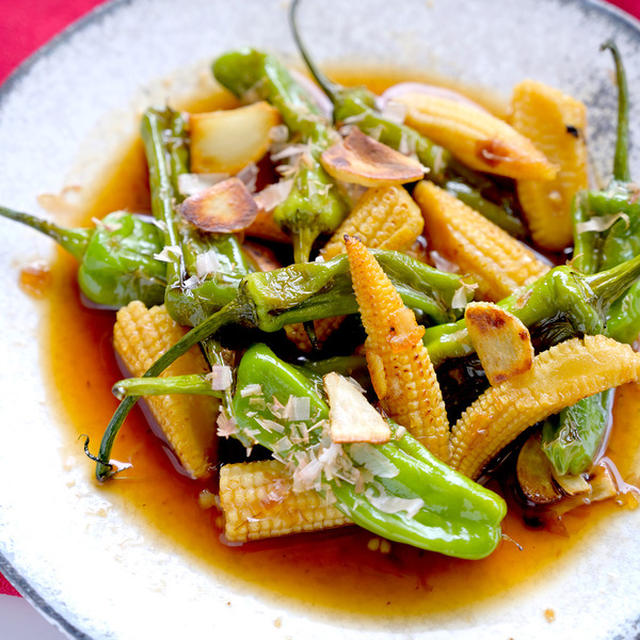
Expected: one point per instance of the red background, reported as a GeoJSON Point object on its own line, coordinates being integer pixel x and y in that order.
{"type": "Point", "coordinates": [25, 26]}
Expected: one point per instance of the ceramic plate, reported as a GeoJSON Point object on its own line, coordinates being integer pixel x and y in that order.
{"type": "Point", "coordinates": [71, 548]}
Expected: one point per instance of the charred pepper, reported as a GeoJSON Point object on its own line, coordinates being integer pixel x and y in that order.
{"type": "Point", "coordinates": [435, 508]}
{"type": "Point", "coordinates": [357, 106]}
{"type": "Point", "coordinates": [299, 293]}
{"type": "Point", "coordinates": [117, 263]}
{"type": "Point", "coordinates": [314, 205]}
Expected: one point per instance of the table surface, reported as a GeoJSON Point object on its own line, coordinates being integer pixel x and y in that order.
{"type": "Point", "coordinates": [21, 35]}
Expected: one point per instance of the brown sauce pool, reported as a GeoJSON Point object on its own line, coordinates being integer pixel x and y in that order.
{"type": "Point", "coordinates": [326, 571]}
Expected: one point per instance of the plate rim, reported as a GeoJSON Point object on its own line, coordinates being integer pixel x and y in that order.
{"type": "Point", "coordinates": [17, 75]}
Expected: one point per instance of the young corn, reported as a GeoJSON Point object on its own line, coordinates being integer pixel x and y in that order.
{"type": "Point", "coordinates": [476, 137]}
{"type": "Point", "coordinates": [401, 371]}
{"type": "Point", "coordinates": [557, 125]}
{"type": "Point", "coordinates": [297, 334]}
{"type": "Point", "coordinates": [558, 378]}
{"type": "Point", "coordinates": [258, 501]}
{"type": "Point", "coordinates": [141, 336]}
{"type": "Point", "coordinates": [499, 263]}
{"type": "Point", "coordinates": [383, 218]}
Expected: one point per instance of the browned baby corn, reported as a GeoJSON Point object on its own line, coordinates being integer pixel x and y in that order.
{"type": "Point", "coordinates": [476, 137]}
{"type": "Point", "coordinates": [499, 263]}
{"type": "Point", "coordinates": [557, 124]}
{"type": "Point", "coordinates": [399, 364]}
{"type": "Point", "coordinates": [298, 335]}
{"type": "Point", "coordinates": [141, 336]}
{"type": "Point", "coordinates": [258, 501]}
{"type": "Point", "coordinates": [558, 378]}
{"type": "Point", "coordinates": [383, 218]}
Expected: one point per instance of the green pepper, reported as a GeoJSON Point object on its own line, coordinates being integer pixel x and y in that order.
{"type": "Point", "coordinates": [572, 298]}
{"type": "Point", "coordinates": [188, 299]}
{"type": "Point", "coordinates": [299, 293]}
{"type": "Point", "coordinates": [563, 293]}
{"type": "Point", "coordinates": [618, 208]}
{"type": "Point", "coordinates": [358, 106]}
{"type": "Point", "coordinates": [314, 205]}
{"type": "Point", "coordinates": [623, 323]}
{"type": "Point", "coordinates": [572, 439]}
{"type": "Point", "coordinates": [314, 290]}
{"type": "Point", "coordinates": [458, 517]}
{"type": "Point", "coordinates": [117, 263]}
{"type": "Point", "coordinates": [581, 302]}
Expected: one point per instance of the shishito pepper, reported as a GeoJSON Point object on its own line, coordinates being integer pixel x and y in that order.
{"type": "Point", "coordinates": [117, 263]}
{"type": "Point", "coordinates": [432, 506]}
{"type": "Point", "coordinates": [607, 223]}
{"type": "Point", "coordinates": [578, 305]}
{"type": "Point", "coordinates": [314, 205]}
{"type": "Point", "coordinates": [357, 105]}
{"type": "Point", "coordinates": [564, 295]}
{"type": "Point", "coordinates": [457, 516]}
{"type": "Point", "coordinates": [188, 298]}
{"type": "Point", "coordinates": [299, 293]}
{"type": "Point", "coordinates": [572, 438]}
{"type": "Point", "coordinates": [314, 290]}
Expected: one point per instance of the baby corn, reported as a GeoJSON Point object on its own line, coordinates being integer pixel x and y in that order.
{"type": "Point", "coordinates": [476, 137]}
{"type": "Point", "coordinates": [400, 368]}
{"type": "Point", "coordinates": [499, 263]}
{"type": "Point", "coordinates": [141, 336]}
{"type": "Point", "coordinates": [298, 335]}
{"type": "Point", "coordinates": [557, 124]}
{"type": "Point", "coordinates": [384, 218]}
{"type": "Point", "coordinates": [258, 501]}
{"type": "Point", "coordinates": [558, 378]}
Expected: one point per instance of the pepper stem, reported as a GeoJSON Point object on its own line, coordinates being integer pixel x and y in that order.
{"type": "Point", "coordinates": [232, 312]}
{"type": "Point", "coordinates": [330, 88]}
{"type": "Point", "coordinates": [621, 158]}
{"type": "Point", "coordinates": [74, 241]}
{"type": "Point", "coordinates": [303, 241]}
{"type": "Point", "coordinates": [213, 354]}
{"type": "Point", "coordinates": [193, 384]}
{"type": "Point", "coordinates": [609, 285]}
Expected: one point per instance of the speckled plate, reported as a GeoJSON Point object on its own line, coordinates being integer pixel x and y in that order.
{"type": "Point", "coordinates": [69, 547]}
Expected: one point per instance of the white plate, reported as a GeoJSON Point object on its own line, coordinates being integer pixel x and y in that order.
{"type": "Point", "coordinates": [63, 542]}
